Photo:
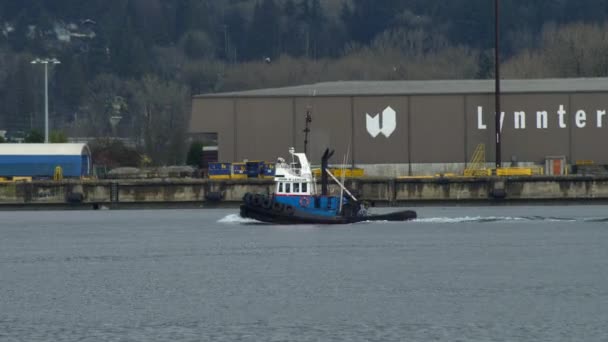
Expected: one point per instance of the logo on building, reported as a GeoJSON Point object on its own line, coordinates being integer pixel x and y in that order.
{"type": "Point", "coordinates": [384, 123]}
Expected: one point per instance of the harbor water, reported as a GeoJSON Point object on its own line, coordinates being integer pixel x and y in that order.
{"type": "Point", "coordinates": [498, 273]}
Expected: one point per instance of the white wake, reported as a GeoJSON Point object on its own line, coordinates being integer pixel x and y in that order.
{"type": "Point", "coordinates": [236, 219]}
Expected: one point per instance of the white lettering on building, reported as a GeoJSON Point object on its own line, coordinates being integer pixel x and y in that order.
{"type": "Point", "coordinates": [543, 118]}
{"type": "Point", "coordinates": [600, 114]}
{"type": "Point", "coordinates": [480, 124]}
{"type": "Point", "coordinates": [581, 119]}
{"type": "Point", "coordinates": [561, 112]}
{"type": "Point", "coordinates": [520, 120]}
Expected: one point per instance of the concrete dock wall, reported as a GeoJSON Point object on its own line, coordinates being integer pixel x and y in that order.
{"type": "Point", "coordinates": [382, 191]}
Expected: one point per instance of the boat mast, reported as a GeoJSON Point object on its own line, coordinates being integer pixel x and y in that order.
{"type": "Point", "coordinates": [307, 129]}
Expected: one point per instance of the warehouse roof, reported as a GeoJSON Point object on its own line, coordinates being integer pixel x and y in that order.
{"type": "Point", "coordinates": [361, 88]}
{"type": "Point", "coordinates": [44, 149]}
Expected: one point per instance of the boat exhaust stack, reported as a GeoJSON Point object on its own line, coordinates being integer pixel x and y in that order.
{"type": "Point", "coordinates": [324, 165]}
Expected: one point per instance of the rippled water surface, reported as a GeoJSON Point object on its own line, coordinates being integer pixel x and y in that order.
{"type": "Point", "coordinates": [456, 274]}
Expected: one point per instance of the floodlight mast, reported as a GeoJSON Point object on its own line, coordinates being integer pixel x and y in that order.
{"type": "Point", "coordinates": [46, 62]}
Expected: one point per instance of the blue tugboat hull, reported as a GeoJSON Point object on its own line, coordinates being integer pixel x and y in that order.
{"type": "Point", "coordinates": [299, 216]}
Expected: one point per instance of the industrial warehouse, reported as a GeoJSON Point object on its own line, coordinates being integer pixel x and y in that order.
{"type": "Point", "coordinates": [411, 128]}
{"type": "Point", "coordinates": [44, 161]}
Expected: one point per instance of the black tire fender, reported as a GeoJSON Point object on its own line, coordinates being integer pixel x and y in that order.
{"type": "Point", "coordinates": [289, 209]}
{"type": "Point", "coordinates": [75, 197]}
{"type": "Point", "coordinates": [278, 207]}
{"type": "Point", "coordinates": [257, 200]}
{"type": "Point", "coordinates": [247, 198]}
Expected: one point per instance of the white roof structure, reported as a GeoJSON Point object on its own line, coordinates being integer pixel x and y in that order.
{"type": "Point", "coordinates": [44, 149]}
{"type": "Point", "coordinates": [433, 87]}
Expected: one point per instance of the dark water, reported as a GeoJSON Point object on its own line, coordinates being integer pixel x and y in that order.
{"type": "Point", "coordinates": [458, 274]}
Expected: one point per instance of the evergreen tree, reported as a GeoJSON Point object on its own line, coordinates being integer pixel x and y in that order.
{"type": "Point", "coordinates": [367, 18]}
{"type": "Point", "coordinates": [21, 97]}
{"type": "Point", "coordinates": [194, 157]}
{"type": "Point", "coordinates": [71, 85]}
{"type": "Point", "coordinates": [263, 39]}
{"type": "Point", "coordinates": [34, 137]}
{"type": "Point", "coordinates": [293, 37]}
{"type": "Point", "coordinates": [236, 34]}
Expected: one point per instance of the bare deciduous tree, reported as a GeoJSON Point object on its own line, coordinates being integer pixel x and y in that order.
{"type": "Point", "coordinates": [165, 107]}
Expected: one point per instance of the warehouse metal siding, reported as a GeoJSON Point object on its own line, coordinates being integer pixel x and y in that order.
{"type": "Point", "coordinates": [441, 127]}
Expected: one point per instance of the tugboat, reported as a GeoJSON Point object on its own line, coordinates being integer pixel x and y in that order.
{"type": "Point", "coordinates": [295, 199]}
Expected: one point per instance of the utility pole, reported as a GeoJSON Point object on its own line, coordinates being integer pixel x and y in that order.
{"type": "Point", "coordinates": [497, 90]}
{"type": "Point", "coordinates": [46, 62]}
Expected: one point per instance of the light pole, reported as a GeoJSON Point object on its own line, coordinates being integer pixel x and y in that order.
{"type": "Point", "coordinates": [46, 62]}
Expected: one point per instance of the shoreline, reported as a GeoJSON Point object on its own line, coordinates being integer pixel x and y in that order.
{"type": "Point", "coordinates": [235, 205]}
{"type": "Point", "coordinates": [378, 192]}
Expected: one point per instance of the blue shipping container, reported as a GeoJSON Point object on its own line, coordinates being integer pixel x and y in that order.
{"type": "Point", "coordinates": [268, 170]}
{"type": "Point", "coordinates": [254, 168]}
{"type": "Point", "coordinates": [239, 171]}
{"type": "Point", "coordinates": [220, 170]}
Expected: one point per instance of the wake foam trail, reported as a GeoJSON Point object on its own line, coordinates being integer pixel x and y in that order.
{"type": "Point", "coordinates": [236, 219]}
{"type": "Point", "coordinates": [479, 219]}
{"type": "Point", "coordinates": [489, 219]}
{"type": "Point", "coordinates": [597, 220]}
{"type": "Point", "coordinates": [550, 219]}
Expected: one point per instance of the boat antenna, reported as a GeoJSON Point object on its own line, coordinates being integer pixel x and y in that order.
{"type": "Point", "coordinates": [307, 128]}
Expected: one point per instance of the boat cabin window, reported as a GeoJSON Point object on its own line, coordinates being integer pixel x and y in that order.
{"type": "Point", "coordinates": [280, 189]}
{"type": "Point", "coordinates": [287, 188]}
{"type": "Point", "coordinates": [304, 187]}
{"type": "Point", "coordinates": [296, 187]}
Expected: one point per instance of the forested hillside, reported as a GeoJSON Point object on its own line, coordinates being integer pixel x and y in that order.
{"type": "Point", "coordinates": [141, 60]}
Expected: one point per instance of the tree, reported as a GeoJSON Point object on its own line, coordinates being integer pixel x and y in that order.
{"type": "Point", "coordinates": [236, 30]}
{"type": "Point", "coordinates": [202, 76]}
{"type": "Point", "coordinates": [368, 18]}
{"type": "Point", "coordinates": [34, 137]}
{"type": "Point", "coordinates": [165, 105]}
{"type": "Point", "coordinates": [96, 112]}
{"type": "Point", "coordinates": [20, 98]}
{"type": "Point", "coordinates": [114, 153]}
{"type": "Point", "coordinates": [194, 154]}
{"type": "Point", "coordinates": [264, 31]}
{"type": "Point", "coordinates": [576, 50]}
{"type": "Point", "coordinates": [70, 86]}
{"type": "Point", "coordinates": [58, 137]}
{"type": "Point", "coordinates": [196, 44]}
